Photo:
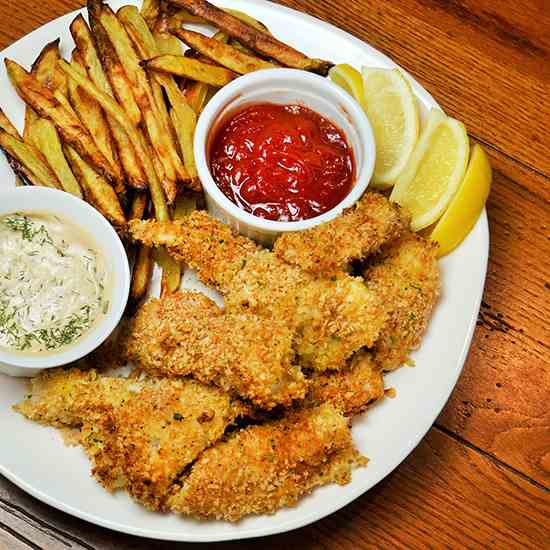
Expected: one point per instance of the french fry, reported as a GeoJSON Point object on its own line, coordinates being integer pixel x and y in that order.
{"type": "Point", "coordinates": [46, 139]}
{"type": "Point", "coordinates": [197, 93]}
{"type": "Point", "coordinates": [143, 262]}
{"type": "Point", "coordinates": [183, 117]}
{"type": "Point", "coordinates": [141, 275]}
{"type": "Point", "coordinates": [158, 135]}
{"type": "Point", "coordinates": [224, 54]}
{"type": "Point", "coordinates": [138, 206]}
{"type": "Point", "coordinates": [69, 126]}
{"type": "Point", "coordinates": [126, 152]}
{"type": "Point", "coordinates": [7, 126]}
{"type": "Point", "coordinates": [97, 189]}
{"type": "Point", "coordinates": [113, 68]}
{"type": "Point", "coordinates": [113, 108]}
{"type": "Point", "coordinates": [43, 69]}
{"type": "Point", "coordinates": [179, 65]}
{"type": "Point", "coordinates": [167, 44]}
{"type": "Point", "coordinates": [245, 18]}
{"type": "Point", "coordinates": [150, 10]}
{"type": "Point", "coordinates": [258, 40]}
{"type": "Point", "coordinates": [27, 162]}
{"type": "Point", "coordinates": [91, 115]}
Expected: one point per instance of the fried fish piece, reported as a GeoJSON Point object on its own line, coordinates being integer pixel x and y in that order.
{"type": "Point", "coordinates": [406, 275]}
{"type": "Point", "coordinates": [263, 468]}
{"type": "Point", "coordinates": [360, 231]}
{"type": "Point", "coordinates": [139, 434]}
{"type": "Point", "coordinates": [187, 334]}
{"type": "Point", "coordinates": [350, 390]}
{"type": "Point", "coordinates": [333, 317]}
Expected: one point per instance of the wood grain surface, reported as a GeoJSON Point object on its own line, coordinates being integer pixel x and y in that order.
{"type": "Point", "coordinates": [481, 477]}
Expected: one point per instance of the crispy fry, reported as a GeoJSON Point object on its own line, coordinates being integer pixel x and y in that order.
{"type": "Point", "coordinates": [258, 40]}
{"type": "Point", "coordinates": [7, 126]}
{"type": "Point", "coordinates": [225, 55]}
{"type": "Point", "coordinates": [44, 69]}
{"type": "Point", "coordinates": [245, 18]}
{"type": "Point", "coordinates": [27, 161]}
{"type": "Point", "coordinates": [138, 207]}
{"type": "Point", "coordinates": [97, 189]}
{"type": "Point", "coordinates": [167, 43]}
{"type": "Point", "coordinates": [197, 93]}
{"type": "Point", "coordinates": [46, 139]}
{"type": "Point", "coordinates": [141, 275]}
{"type": "Point", "coordinates": [159, 136]}
{"type": "Point", "coordinates": [126, 153]}
{"type": "Point", "coordinates": [112, 66]}
{"type": "Point", "coordinates": [112, 107]}
{"type": "Point", "coordinates": [69, 126]}
{"type": "Point", "coordinates": [191, 68]}
{"type": "Point", "coordinates": [183, 118]}
{"type": "Point", "coordinates": [150, 10]}
{"type": "Point", "coordinates": [91, 115]}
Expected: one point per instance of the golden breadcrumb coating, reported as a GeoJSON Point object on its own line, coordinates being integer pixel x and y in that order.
{"type": "Point", "coordinates": [187, 334]}
{"type": "Point", "coordinates": [139, 434]}
{"type": "Point", "coordinates": [211, 248]}
{"type": "Point", "coordinates": [333, 317]}
{"type": "Point", "coordinates": [407, 274]}
{"type": "Point", "coordinates": [350, 390]}
{"type": "Point", "coordinates": [263, 468]}
{"type": "Point", "coordinates": [360, 231]}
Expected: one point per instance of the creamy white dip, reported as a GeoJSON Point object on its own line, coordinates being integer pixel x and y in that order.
{"type": "Point", "coordinates": [52, 283]}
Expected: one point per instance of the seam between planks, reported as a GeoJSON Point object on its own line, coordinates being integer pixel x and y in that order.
{"type": "Point", "coordinates": [491, 457]}
{"type": "Point", "coordinates": [526, 165]}
{"type": "Point", "coordinates": [47, 528]}
{"type": "Point", "coordinates": [19, 537]}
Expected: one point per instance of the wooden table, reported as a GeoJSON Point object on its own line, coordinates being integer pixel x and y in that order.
{"type": "Point", "coordinates": [481, 476]}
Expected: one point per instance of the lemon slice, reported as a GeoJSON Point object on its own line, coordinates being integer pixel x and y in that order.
{"type": "Point", "coordinates": [434, 171]}
{"type": "Point", "coordinates": [393, 113]}
{"type": "Point", "coordinates": [466, 205]}
{"type": "Point", "coordinates": [349, 79]}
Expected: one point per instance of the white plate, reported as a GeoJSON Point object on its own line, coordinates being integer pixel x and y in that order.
{"type": "Point", "coordinates": [36, 459]}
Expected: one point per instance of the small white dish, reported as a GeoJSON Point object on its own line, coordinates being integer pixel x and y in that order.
{"type": "Point", "coordinates": [283, 86]}
{"type": "Point", "coordinates": [91, 222]}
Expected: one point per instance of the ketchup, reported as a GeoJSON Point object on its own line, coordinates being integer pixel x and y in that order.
{"type": "Point", "coordinates": [281, 162]}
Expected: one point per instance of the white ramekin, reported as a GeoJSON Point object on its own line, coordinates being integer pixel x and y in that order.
{"type": "Point", "coordinates": [283, 86]}
{"type": "Point", "coordinates": [87, 218]}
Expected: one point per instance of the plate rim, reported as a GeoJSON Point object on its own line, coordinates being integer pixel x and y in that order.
{"type": "Point", "coordinates": [412, 443]}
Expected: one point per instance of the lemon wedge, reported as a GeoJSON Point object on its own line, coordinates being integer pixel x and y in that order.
{"type": "Point", "coordinates": [434, 171]}
{"type": "Point", "coordinates": [350, 80]}
{"type": "Point", "coordinates": [393, 113]}
{"type": "Point", "coordinates": [467, 204]}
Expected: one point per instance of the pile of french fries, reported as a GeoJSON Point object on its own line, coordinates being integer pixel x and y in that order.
{"type": "Point", "coordinates": [114, 125]}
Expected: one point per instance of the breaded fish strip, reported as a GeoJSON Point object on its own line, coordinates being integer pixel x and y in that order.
{"type": "Point", "coordinates": [407, 275]}
{"type": "Point", "coordinates": [187, 334]}
{"type": "Point", "coordinates": [360, 231]}
{"type": "Point", "coordinates": [139, 434]}
{"type": "Point", "coordinates": [333, 317]}
{"type": "Point", "coordinates": [351, 390]}
{"type": "Point", "coordinates": [263, 468]}
{"type": "Point", "coordinates": [64, 398]}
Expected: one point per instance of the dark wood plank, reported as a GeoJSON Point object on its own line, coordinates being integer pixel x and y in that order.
{"type": "Point", "coordinates": [443, 493]}
{"type": "Point", "coordinates": [476, 58]}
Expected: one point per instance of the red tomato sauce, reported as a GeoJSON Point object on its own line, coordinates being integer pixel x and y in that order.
{"type": "Point", "coordinates": [282, 162]}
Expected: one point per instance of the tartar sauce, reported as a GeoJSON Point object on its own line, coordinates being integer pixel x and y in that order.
{"type": "Point", "coordinates": [52, 283]}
